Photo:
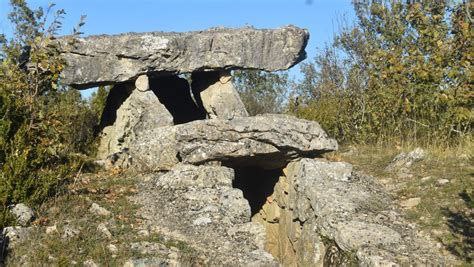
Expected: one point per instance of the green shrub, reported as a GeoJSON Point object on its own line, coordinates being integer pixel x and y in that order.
{"type": "Point", "coordinates": [45, 129]}
{"type": "Point", "coordinates": [262, 92]}
{"type": "Point", "coordinates": [402, 73]}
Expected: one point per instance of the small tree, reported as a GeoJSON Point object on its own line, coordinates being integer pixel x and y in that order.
{"type": "Point", "coordinates": [262, 92]}
{"type": "Point", "coordinates": [44, 127]}
{"type": "Point", "coordinates": [406, 73]}
{"type": "Point", "coordinates": [98, 100]}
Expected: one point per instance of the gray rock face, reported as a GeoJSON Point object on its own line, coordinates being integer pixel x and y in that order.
{"type": "Point", "coordinates": [110, 59]}
{"type": "Point", "coordinates": [14, 235]}
{"type": "Point", "coordinates": [198, 205]}
{"type": "Point", "coordinates": [23, 214]}
{"type": "Point", "coordinates": [268, 140]}
{"type": "Point", "coordinates": [140, 111]}
{"type": "Point", "coordinates": [318, 199]}
{"type": "Point", "coordinates": [217, 94]}
{"type": "Point", "coordinates": [406, 160]}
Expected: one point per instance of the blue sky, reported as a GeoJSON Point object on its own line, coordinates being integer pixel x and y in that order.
{"type": "Point", "coordinates": [321, 17]}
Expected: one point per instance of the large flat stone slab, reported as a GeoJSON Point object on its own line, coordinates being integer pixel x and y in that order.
{"type": "Point", "coordinates": [109, 59]}
{"type": "Point", "coordinates": [269, 140]}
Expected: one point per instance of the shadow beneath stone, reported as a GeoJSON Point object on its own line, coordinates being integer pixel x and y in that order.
{"type": "Point", "coordinates": [3, 248]}
{"type": "Point", "coordinates": [256, 183]}
{"type": "Point", "coordinates": [174, 92]}
{"type": "Point", "coordinates": [117, 95]}
{"type": "Point", "coordinates": [200, 82]}
{"type": "Point", "coordinates": [461, 225]}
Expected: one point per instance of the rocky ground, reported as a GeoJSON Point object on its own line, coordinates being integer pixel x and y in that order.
{"type": "Point", "coordinates": [433, 187]}
{"type": "Point", "coordinates": [94, 223]}
{"type": "Point", "coordinates": [157, 219]}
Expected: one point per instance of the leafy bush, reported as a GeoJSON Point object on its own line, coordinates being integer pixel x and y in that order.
{"type": "Point", "coordinates": [402, 73]}
{"type": "Point", "coordinates": [45, 129]}
{"type": "Point", "coordinates": [262, 92]}
{"type": "Point", "coordinates": [98, 100]}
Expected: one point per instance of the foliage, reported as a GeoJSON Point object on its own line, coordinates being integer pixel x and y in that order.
{"type": "Point", "coordinates": [261, 92]}
{"type": "Point", "coordinates": [402, 72]}
{"type": "Point", "coordinates": [44, 128]}
{"type": "Point", "coordinates": [98, 100]}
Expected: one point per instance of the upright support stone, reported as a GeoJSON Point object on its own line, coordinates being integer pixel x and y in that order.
{"type": "Point", "coordinates": [138, 112]}
{"type": "Point", "coordinates": [216, 93]}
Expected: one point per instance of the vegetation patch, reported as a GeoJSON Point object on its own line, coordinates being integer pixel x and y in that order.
{"type": "Point", "coordinates": [443, 181]}
{"type": "Point", "coordinates": [68, 232]}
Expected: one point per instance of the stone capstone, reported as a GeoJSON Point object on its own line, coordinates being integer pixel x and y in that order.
{"type": "Point", "coordinates": [110, 59]}
{"type": "Point", "coordinates": [269, 140]}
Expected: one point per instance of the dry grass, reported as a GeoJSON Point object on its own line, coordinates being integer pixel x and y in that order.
{"type": "Point", "coordinates": [445, 210]}
{"type": "Point", "coordinates": [71, 210]}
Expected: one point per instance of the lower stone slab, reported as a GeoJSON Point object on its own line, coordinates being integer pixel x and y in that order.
{"type": "Point", "coordinates": [198, 205]}
{"type": "Point", "coordinates": [269, 141]}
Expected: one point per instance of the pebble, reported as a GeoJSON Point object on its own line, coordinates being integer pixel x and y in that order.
{"type": "Point", "coordinates": [98, 210]}
{"type": "Point", "coordinates": [51, 229]}
{"type": "Point", "coordinates": [411, 202]}
{"type": "Point", "coordinates": [442, 181]}
{"type": "Point", "coordinates": [143, 233]}
{"type": "Point", "coordinates": [90, 263]}
{"type": "Point", "coordinates": [103, 229]}
{"type": "Point", "coordinates": [112, 248]}
{"type": "Point", "coordinates": [425, 179]}
{"type": "Point", "coordinates": [70, 232]}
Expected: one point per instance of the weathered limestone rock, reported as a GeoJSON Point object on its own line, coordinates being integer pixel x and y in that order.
{"type": "Point", "coordinates": [140, 111]}
{"type": "Point", "coordinates": [411, 202]}
{"type": "Point", "coordinates": [197, 205]}
{"type": "Point", "coordinates": [109, 59]}
{"type": "Point", "coordinates": [98, 210]}
{"type": "Point", "coordinates": [142, 83]}
{"type": "Point", "coordinates": [406, 160]}
{"type": "Point", "coordinates": [23, 214]}
{"type": "Point", "coordinates": [331, 215]}
{"type": "Point", "coordinates": [268, 140]}
{"type": "Point", "coordinates": [217, 95]}
{"type": "Point", "coordinates": [14, 235]}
